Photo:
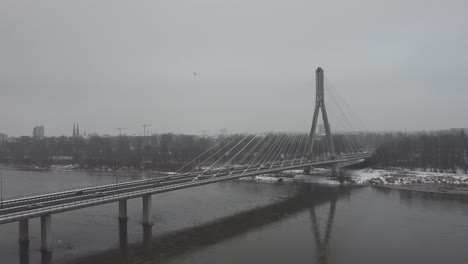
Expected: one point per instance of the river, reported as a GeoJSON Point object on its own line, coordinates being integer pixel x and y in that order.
{"type": "Point", "coordinates": [246, 222]}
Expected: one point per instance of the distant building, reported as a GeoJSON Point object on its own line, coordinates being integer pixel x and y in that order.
{"type": "Point", "coordinates": [94, 134]}
{"type": "Point", "coordinates": [459, 130]}
{"type": "Point", "coordinates": [76, 130]}
{"type": "Point", "coordinates": [223, 132]}
{"type": "Point", "coordinates": [3, 138]}
{"type": "Point", "coordinates": [38, 132]}
{"type": "Point", "coordinates": [61, 158]}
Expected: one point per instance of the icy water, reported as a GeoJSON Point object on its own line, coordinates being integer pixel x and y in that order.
{"type": "Point", "coordinates": [246, 222]}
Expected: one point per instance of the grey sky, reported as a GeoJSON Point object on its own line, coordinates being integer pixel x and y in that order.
{"type": "Point", "coordinates": [112, 63]}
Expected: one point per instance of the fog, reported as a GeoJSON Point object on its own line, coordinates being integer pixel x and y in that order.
{"type": "Point", "coordinates": [111, 63]}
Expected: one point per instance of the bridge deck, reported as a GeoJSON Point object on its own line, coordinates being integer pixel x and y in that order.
{"type": "Point", "coordinates": [35, 206]}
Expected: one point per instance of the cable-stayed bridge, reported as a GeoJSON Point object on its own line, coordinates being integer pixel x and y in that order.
{"type": "Point", "coordinates": [229, 157]}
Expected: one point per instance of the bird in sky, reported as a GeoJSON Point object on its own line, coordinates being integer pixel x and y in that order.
{"type": "Point", "coordinates": [195, 73]}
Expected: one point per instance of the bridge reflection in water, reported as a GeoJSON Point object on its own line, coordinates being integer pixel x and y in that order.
{"type": "Point", "coordinates": [322, 243]}
{"type": "Point", "coordinates": [164, 247]}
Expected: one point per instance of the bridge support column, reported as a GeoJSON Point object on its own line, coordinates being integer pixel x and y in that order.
{"type": "Point", "coordinates": [46, 234]}
{"type": "Point", "coordinates": [24, 230]}
{"type": "Point", "coordinates": [46, 239]}
{"type": "Point", "coordinates": [123, 234]}
{"type": "Point", "coordinates": [147, 210]}
{"type": "Point", "coordinates": [24, 241]}
{"type": "Point", "coordinates": [319, 106]}
{"type": "Point", "coordinates": [147, 225]}
{"type": "Point", "coordinates": [123, 210]}
{"type": "Point", "coordinates": [335, 170]}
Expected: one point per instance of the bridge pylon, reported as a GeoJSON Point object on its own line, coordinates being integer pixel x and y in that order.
{"type": "Point", "coordinates": [320, 105]}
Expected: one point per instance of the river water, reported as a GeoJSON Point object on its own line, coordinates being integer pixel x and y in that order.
{"type": "Point", "coordinates": [246, 222]}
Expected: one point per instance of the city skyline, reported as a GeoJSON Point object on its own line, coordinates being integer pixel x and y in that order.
{"type": "Point", "coordinates": [140, 132]}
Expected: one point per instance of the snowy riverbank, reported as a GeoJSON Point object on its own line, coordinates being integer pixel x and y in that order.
{"type": "Point", "coordinates": [391, 176]}
{"type": "Point", "coordinates": [318, 176]}
{"type": "Point", "coordinates": [368, 176]}
{"type": "Point", "coordinates": [399, 176]}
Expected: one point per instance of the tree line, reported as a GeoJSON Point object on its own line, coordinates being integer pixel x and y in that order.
{"type": "Point", "coordinates": [438, 152]}
{"type": "Point", "coordinates": [163, 151]}
{"type": "Point", "coordinates": [169, 151]}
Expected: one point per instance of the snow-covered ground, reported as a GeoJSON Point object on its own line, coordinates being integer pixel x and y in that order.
{"type": "Point", "coordinates": [318, 176]}
{"type": "Point", "coordinates": [391, 176]}
{"type": "Point", "coordinates": [318, 179]}
{"type": "Point", "coordinates": [399, 176]}
{"type": "Point", "coordinates": [69, 167]}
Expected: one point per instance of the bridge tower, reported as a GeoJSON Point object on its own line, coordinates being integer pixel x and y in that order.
{"type": "Point", "coordinates": [320, 105]}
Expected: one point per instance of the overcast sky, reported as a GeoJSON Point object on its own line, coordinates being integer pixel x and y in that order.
{"type": "Point", "coordinates": [400, 64]}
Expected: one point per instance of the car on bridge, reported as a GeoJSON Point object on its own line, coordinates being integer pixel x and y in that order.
{"type": "Point", "coordinates": [98, 194]}
{"type": "Point", "coordinates": [35, 205]}
{"type": "Point", "coordinates": [79, 192]}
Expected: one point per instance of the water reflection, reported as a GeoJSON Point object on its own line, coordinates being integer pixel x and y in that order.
{"type": "Point", "coordinates": [46, 257]}
{"type": "Point", "coordinates": [428, 196]}
{"type": "Point", "coordinates": [123, 240]}
{"type": "Point", "coordinates": [322, 245]}
{"type": "Point", "coordinates": [408, 196]}
{"type": "Point", "coordinates": [147, 241]}
{"type": "Point", "coordinates": [163, 247]}
{"type": "Point", "coordinates": [385, 191]}
{"type": "Point", "coordinates": [24, 251]}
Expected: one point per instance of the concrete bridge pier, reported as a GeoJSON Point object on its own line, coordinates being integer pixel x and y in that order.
{"type": "Point", "coordinates": [123, 210]}
{"type": "Point", "coordinates": [147, 225]}
{"type": "Point", "coordinates": [24, 241]}
{"type": "Point", "coordinates": [46, 239]}
{"type": "Point", "coordinates": [24, 230]}
{"type": "Point", "coordinates": [123, 234]}
{"type": "Point", "coordinates": [335, 170]}
{"type": "Point", "coordinates": [147, 210]}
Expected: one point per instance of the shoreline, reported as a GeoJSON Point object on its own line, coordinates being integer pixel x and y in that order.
{"type": "Point", "coordinates": [401, 176]}
{"type": "Point", "coordinates": [73, 168]}
{"type": "Point", "coordinates": [430, 188]}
